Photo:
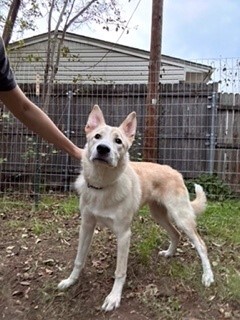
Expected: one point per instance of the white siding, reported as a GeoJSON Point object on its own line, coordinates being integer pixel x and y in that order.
{"type": "Point", "coordinates": [92, 63]}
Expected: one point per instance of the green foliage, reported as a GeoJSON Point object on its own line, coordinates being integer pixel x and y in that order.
{"type": "Point", "coordinates": [33, 58]}
{"type": "Point", "coordinates": [135, 151]}
{"type": "Point", "coordinates": [215, 188]}
{"type": "Point", "coordinates": [3, 160]}
{"type": "Point", "coordinates": [27, 16]}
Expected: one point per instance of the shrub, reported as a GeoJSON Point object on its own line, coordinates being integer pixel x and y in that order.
{"type": "Point", "coordinates": [215, 188]}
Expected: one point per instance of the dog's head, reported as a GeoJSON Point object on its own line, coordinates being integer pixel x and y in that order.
{"type": "Point", "coordinates": [107, 145]}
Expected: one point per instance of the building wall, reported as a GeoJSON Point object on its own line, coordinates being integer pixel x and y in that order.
{"type": "Point", "coordinates": [86, 63]}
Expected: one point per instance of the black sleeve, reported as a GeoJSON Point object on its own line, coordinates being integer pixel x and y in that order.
{"type": "Point", "coordinates": [7, 80]}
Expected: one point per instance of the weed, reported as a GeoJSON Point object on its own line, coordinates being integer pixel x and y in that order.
{"type": "Point", "coordinates": [215, 188]}
{"type": "Point", "coordinates": [15, 224]}
{"type": "Point", "coordinates": [65, 206]}
{"type": "Point", "coordinates": [38, 227]}
{"type": "Point", "coordinates": [163, 307]}
{"type": "Point", "coordinates": [183, 271]}
{"type": "Point", "coordinates": [9, 204]}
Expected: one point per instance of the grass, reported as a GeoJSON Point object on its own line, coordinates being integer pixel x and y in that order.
{"type": "Point", "coordinates": [61, 205]}
{"type": "Point", "coordinates": [222, 222]}
{"type": "Point", "coordinates": [234, 284]}
{"type": "Point", "coordinates": [44, 218]}
{"type": "Point", "coordinates": [219, 226]}
{"type": "Point", "coordinates": [66, 207]}
{"type": "Point", "coordinates": [167, 287]}
{"type": "Point", "coordinates": [146, 241]}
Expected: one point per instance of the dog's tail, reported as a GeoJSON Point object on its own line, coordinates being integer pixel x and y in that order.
{"type": "Point", "coordinates": [200, 202]}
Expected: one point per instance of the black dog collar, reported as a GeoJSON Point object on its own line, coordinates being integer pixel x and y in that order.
{"type": "Point", "coordinates": [93, 187]}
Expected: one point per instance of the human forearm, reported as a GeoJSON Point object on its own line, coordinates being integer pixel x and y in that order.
{"type": "Point", "coordinates": [36, 120]}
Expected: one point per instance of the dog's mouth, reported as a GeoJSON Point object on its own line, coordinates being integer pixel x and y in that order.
{"type": "Point", "coordinates": [102, 160]}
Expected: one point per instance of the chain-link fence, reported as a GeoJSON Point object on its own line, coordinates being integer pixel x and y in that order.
{"type": "Point", "coordinates": [198, 126]}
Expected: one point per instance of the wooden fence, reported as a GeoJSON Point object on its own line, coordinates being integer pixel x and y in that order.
{"type": "Point", "coordinates": [198, 132]}
{"type": "Point", "coordinates": [227, 159]}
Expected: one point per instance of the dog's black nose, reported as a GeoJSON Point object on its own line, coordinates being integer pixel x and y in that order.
{"type": "Point", "coordinates": [103, 149]}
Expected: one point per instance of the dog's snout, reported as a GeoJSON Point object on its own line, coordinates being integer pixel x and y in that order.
{"type": "Point", "coordinates": [102, 149]}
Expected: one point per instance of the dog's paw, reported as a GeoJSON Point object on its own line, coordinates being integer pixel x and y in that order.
{"type": "Point", "coordinates": [207, 279]}
{"type": "Point", "coordinates": [66, 283]}
{"type": "Point", "coordinates": [111, 302]}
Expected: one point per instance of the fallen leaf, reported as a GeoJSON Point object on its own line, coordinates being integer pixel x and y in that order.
{"type": "Point", "coordinates": [38, 240]}
{"type": "Point", "coordinates": [228, 315]}
{"type": "Point", "coordinates": [25, 283]}
{"type": "Point", "coordinates": [26, 296]}
{"type": "Point", "coordinates": [49, 262]}
{"type": "Point", "coordinates": [48, 271]}
{"type": "Point", "coordinates": [221, 310]}
{"type": "Point", "coordinates": [9, 249]}
{"type": "Point", "coordinates": [17, 293]}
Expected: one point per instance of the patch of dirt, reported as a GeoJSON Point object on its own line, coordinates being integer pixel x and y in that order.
{"type": "Point", "coordinates": [32, 265]}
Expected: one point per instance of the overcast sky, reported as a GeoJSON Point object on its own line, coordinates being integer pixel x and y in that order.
{"type": "Point", "coordinates": [192, 29]}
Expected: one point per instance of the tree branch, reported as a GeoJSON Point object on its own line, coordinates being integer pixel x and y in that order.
{"type": "Point", "coordinates": [80, 13]}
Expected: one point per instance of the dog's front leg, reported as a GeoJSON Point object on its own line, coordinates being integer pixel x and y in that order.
{"type": "Point", "coordinates": [113, 300]}
{"type": "Point", "coordinates": [85, 237]}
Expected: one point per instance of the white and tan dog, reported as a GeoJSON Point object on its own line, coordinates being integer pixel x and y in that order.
{"type": "Point", "coordinates": [112, 189]}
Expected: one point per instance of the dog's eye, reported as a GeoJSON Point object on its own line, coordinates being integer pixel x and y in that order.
{"type": "Point", "coordinates": [97, 136]}
{"type": "Point", "coordinates": [118, 141]}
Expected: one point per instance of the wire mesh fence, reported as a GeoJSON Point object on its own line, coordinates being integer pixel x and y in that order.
{"type": "Point", "coordinates": [197, 132]}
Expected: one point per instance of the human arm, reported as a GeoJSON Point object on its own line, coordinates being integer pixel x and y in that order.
{"type": "Point", "coordinates": [36, 120]}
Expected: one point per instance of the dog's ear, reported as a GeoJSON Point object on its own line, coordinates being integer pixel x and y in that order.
{"type": "Point", "coordinates": [95, 119]}
{"type": "Point", "coordinates": [129, 126]}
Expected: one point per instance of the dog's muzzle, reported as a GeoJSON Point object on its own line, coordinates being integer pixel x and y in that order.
{"type": "Point", "coordinates": [103, 154]}
{"type": "Point", "coordinates": [103, 150]}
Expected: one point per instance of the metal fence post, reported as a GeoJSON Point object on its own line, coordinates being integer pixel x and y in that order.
{"type": "Point", "coordinates": [37, 139]}
{"type": "Point", "coordinates": [212, 135]}
{"type": "Point", "coordinates": [67, 132]}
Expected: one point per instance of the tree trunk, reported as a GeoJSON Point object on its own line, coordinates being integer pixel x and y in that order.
{"type": "Point", "coordinates": [11, 18]}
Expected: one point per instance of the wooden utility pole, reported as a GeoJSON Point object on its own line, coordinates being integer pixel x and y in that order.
{"type": "Point", "coordinates": [152, 107]}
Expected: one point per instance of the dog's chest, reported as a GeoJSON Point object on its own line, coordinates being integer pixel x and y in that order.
{"type": "Point", "coordinates": [102, 202]}
{"type": "Point", "coordinates": [112, 204]}
{"type": "Point", "coordinates": [107, 209]}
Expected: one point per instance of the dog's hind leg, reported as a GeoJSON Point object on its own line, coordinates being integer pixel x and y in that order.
{"type": "Point", "coordinates": [184, 218]}
{"type": "Point", "coordinates": [159, 213]}
{"type": "Point", "coordinates": [191, 232]}
{"type": "Point", "coordinates": [85, 237]}
{"type": "Point", "coordinates": [113, 300]}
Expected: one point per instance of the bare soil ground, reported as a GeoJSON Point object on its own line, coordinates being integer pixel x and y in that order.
{"type": "Point", "coordinates": [37, 250]}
